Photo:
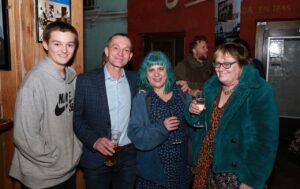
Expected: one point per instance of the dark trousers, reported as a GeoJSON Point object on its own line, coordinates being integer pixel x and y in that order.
{"type": "Point", "coordinates": [68, 184]}
{"type": "Point", "coordinates": [120, 176]}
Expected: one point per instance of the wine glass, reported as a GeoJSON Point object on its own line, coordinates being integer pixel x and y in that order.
{"type": "Point", "coordinates": [175, 135]}
{"type": "Point", "coordinates": [110, 161]}
{"type": "Point", "coordinates": [201, 105]}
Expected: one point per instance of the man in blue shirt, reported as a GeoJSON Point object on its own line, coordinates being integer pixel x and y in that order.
{"type": "Point", "coordinates": [102, 104]}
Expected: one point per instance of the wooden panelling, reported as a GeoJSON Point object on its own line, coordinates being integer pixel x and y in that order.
{"type": "Point", "coordinates": [77, 21]}
{"type": "Point", "coordinates": [25, 51]}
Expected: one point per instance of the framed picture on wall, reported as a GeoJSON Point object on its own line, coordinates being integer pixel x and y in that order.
{"type": "Point", "coordinates": [227, 16]}
{"type": "Point", "coordinates": [4, 37]}
{"type": "Point", "coordinates": [48, 11]}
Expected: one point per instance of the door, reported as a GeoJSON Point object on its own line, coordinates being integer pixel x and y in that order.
{"type": "Point", "coordinates": [171, 43]}
{"type": "Point", "coordinates": [278, 46]}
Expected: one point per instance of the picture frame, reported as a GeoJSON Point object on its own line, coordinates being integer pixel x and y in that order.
{"type": "Point", "coordinates": [48, 11]}
{"type": "Point", "coordinates": [227, 17]}
{"type": "Point", "coordinates": [4, 37]}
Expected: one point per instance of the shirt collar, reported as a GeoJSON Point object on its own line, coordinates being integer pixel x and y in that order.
{"type": "Point", "coordinates": [109, 77]}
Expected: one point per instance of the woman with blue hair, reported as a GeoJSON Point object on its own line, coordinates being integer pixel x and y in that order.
{"type": "Point", "coordinates": [157, 127]}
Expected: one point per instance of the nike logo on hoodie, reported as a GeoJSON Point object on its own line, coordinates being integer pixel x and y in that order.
{"type": "Point", "coordinates": [59, 110]}
{"type": "Point", "coordinates": [64, 101]}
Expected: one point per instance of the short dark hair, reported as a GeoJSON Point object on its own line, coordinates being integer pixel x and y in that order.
{"type": "Point", "coordinates": [122, 35]}
{"type": "Point", "coordinates": [245, 44]}
{"type": "Point", "coordinates": [195, 40]}
{"type": "Point", "coordinates": [233, 49]}
{"type": "Point", "coordinates": [59, 26]}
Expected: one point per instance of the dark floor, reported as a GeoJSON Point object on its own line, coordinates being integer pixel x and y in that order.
{"type": "Point", "coordinates": [286, 172]}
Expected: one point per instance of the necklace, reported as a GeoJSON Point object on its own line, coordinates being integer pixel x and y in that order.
{"type": "Point", "coordinates": [227, 90]}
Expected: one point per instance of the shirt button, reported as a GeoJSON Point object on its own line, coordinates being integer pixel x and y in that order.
{"type": "Point", "coordinates": [233, 164]}
{"type": "Point", "coordinates": [233, 141]}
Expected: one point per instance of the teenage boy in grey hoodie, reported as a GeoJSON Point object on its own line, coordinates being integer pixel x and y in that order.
{"type": "Point", "coordinates": [46, 148]}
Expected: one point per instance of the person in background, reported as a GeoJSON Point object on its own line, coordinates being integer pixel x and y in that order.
{"type": "Point", "coordinates": [102, 104]}
{"type": "Point", "coordinates": [255, 62]}
{"type": "Point", "coordinates": [46, 148]}
{"type": "Point", "coordinates": [195, 69]}
{"type": "Point", "coordinates": [157, 127]}
{"type": "Point", "coordinates": [238, 147]}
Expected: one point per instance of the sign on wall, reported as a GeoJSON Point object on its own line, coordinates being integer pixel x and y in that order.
{"type": "Point", "coordinates": [49, 11]}
{"type": "Point", "coordinates": [227, 16]}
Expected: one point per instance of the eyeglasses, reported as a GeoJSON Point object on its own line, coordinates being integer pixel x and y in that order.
{"type": "Point", "coordinates": [225, 65]}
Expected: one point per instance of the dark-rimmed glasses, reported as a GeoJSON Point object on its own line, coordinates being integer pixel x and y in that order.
{"type": "Point", "coordinates": [225, 65]}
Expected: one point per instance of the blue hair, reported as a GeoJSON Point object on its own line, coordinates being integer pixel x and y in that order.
{"type": "Point", "coordinates": [155, 58]}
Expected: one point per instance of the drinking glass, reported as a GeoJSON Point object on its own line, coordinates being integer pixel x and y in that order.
{"type": "Point", "coordinates": [201, 104]}
{"type": "Point", "coordinates": [110, 161]}
{"type": "Point", "coordinates": [175, 135]}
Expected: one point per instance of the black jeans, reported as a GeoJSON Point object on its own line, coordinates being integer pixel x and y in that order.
{"type": "Point", "coordinates": [121, 176]}
{"type": "Point", "coordinates": [68, 184]}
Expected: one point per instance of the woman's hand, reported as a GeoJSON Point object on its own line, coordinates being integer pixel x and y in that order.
{"type": "Point", "coordinates": [194, 109]}
{"type": "Point", "coordinates": [245, 186]}
{"type": "Point", "coordinates": [171, 123]}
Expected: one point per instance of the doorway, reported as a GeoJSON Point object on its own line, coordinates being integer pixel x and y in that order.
{"type": "Point", "coordinates": [278, 46]}
{"type": "Point", "coordinates": [171, 43]}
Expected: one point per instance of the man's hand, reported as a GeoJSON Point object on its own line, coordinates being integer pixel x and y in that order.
{"type": "Point", "coordinates": [184, 85]}
{"type": "Point", "coordinates": [194, 92]}
{"type": "Point", "coordinates": [104, 146]}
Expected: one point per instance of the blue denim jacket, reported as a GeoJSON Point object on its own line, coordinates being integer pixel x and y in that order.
{"type": "Point", "coordinates": [152, 134]}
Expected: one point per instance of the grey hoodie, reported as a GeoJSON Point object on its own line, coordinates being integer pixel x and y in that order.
{"type": "Point", "coordinates": [47, 151]}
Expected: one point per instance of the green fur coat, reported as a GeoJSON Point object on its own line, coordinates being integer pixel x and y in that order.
{"type": "Point", "coordinates": [247, 137]}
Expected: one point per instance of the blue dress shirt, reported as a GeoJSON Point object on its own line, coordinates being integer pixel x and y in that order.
{"type": "Point", "coordinates": [119, 103]}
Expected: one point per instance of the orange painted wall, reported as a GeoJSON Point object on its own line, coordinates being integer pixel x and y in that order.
{"type": "Point", "coordinates": [153, 16]}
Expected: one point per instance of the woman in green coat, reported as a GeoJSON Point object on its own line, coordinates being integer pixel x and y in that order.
{"type": "Point", "coordinates": [237, 146]}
